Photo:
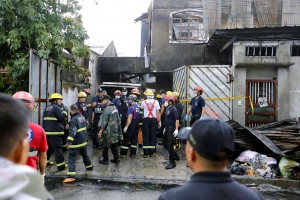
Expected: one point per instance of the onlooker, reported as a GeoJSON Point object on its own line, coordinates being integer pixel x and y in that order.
{"type": "Point", "coordinates": [197, 105]}
{"type": "Point", "coordinates": [98, 97]}
{"type": "Point", "coordinates": [36, 137]}
{"type": "Point", "coordinates": [110, 132]}
{"type": "Point", "coordinates": [17, 181]}
{"type": "Point", "coordinates": [209, 143]}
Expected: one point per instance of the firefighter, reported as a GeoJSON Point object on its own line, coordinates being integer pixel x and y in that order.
{"type": "Point", "coordinates": [117, 101]}
{"type": "Point", "coordinates": [77, 143]}
{"type": "Point", "coordinates": [110, 132]}
{"type": "Point", "coordinates": [196, 107]}
{"type": "Point", "coordinates": [82, 106]}
{"type": "Point", "coordinates": [151, 120]}
{"type": "Point", "coordinates": [131, 129]}
{"type": "Point", "coordinates": [53, 123]}
{"type": "Point", "coordinates": [171, 130]}
{"type": "Point", "coordinates": [137, 92]}
{"type": "Point", "coordinates": [124, 108]}
{"type": "Point", "coordinates": [96, 114]}
{"type": "Point", "coordinates": [36, 137]}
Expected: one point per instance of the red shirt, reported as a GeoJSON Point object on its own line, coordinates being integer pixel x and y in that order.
{"type": "Point", "coordinates": [36, 138]}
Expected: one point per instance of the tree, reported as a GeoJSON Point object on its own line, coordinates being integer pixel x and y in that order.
{"type": "Point", "coordinates": [49, 27]}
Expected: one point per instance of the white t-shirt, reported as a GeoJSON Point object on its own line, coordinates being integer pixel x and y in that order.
{"type": "Point", "coordinates": [150, 105]}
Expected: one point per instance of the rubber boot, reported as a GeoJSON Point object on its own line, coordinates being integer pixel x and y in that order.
{"type": "Point", "coordinates": [171, 165]}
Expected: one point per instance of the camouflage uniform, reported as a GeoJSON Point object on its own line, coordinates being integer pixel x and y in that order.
{"type": "Point", "coordinates": [112, 133]}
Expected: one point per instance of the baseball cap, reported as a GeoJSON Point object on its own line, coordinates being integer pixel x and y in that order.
{"type": "Point", "coordinates": [106, 97]}
{"type": "Point", "coordinates": [210, 138]}
{"type": "Point", "coordinates": [100, 90]}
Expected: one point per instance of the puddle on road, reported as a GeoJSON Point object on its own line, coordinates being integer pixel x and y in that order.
{"type": "Point", "coordinates": [89, 189]}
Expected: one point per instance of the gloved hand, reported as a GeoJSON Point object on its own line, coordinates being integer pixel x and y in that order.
{"type": "Point", "coordinates": [43, 179]}
{"type": "Point", "coordinates": [175, 133]}
{"type": "Point", "coordinates": [164, 131]}
{"type": "Point", "coordinates": [187, 118]}
{"type": "Point", "coordinates": [159, 124]}
{"type": "Point", "coordinates": [125, 129]}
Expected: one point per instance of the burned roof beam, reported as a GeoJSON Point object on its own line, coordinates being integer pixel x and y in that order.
{"type": "Point", "coordinates": [229, 43]}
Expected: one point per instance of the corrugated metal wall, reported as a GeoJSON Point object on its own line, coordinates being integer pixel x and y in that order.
{"type": "Point", "coordinates": [44, 79]}
{"type": "Point", "coordinates": [213, 80]}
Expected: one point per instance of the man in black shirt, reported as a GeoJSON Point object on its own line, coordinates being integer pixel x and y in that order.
{"type": "Point", "coordinates": [209, 143]}
{"type": "Point", "coordinates": [96, 114]}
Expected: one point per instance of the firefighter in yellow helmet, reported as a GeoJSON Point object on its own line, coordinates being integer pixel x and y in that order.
{"type": "Point", "coordinates": [53, 123]}
{"type": "Point", "coordinates": [151, 120]}
{"type": "Point", "coordinates": [82, 106]}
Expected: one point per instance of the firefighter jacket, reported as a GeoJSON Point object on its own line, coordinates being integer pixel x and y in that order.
{"type": "Point", "coordinates": [111, 123]}
{"type": "Point", "coordinates": [77, 134]}
{"type": "Point", "coordinates": [54, 120]}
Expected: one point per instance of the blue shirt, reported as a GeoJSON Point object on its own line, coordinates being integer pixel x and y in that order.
{"type": "Point", "coordinates": [171, 116]}
{"type": "Point", "coordinates": [134, 109]}
{"type": "Point", "coordinates": [197, 105]}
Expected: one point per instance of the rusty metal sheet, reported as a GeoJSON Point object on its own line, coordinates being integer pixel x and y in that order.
{"type": "Point", "coordinates": [44, 79]}
{"type": "Point", "coordinates": [254, 141]}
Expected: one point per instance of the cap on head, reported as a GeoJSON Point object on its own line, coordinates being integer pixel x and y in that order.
{"type": "Point", "coordinates": [176, 94]}
{"type": "Point", "coordinates": [169, 93]}
{"type": "Point", "coordinates": [26, 98]}
{"type": "Point", "coordinates": [82, 95]}
{"type": "Point", "coordinates": [158, 96]}
{"type": "Point", "coordinates": [100, 90]}
{"type": "Point", "coordinates": [55, 96]}
{"type": "Point", "coordinates": [211, 138]}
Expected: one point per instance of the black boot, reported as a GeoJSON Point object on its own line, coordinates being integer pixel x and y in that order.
{"type": "Point", "coordinates": [103, 161]}
{"type": "Point", "coordinates": [171, 165]}
{"type": "Point", "coordinates": [177, 157]}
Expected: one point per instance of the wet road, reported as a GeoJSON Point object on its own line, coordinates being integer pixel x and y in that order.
{"type": "Point", "coordinates": [93, 189]}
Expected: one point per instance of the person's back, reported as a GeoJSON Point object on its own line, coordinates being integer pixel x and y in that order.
{"type": "Point", "coordinates": [211, 186]}
{"type": "Point", "coordinates": [20, 182]}
{"type": "Point", "coordinates": [17, 181]}
{"type": "Point", "coordinates": [209, 143]}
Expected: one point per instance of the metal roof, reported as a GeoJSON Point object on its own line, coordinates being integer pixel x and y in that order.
{"type": "Point", "coordinates": [221, 39]}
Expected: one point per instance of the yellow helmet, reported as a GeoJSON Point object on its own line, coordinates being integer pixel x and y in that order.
{"type": "Point", "coordinates": [56, 96]}
{"type": "Point", "coordinates": [149, 92]}
{"type": "Point", "coordinates": [82, 95]}
{"type": "Point", "coordinates": [169, 93]}
{"type": "Point", "coordinates": [176, 94]}
{"type": "Point", "coordinates": [158, 96]}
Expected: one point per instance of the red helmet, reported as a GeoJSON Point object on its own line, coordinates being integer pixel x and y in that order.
{"type": "Point", "coordinates": [170, 97]}
{"type": "Point", "coordinates": [135, 91]}
{"type": "Point", "coordinates": [117, 92]}
{"type": "Point", "coordinates": [27, 98]}
{"type": "Point", "coordinates": [199, 89]}
{"type": "Point", "coordinates": [87, 91]}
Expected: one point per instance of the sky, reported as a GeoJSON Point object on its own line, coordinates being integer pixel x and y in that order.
{"type": "Point", "coordinates": [113, 20]}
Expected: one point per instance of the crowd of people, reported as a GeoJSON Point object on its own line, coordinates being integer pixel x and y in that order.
{"type": "Point", "coordinates": [116, 121]}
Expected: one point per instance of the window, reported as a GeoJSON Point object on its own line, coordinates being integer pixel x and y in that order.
{"type": "Point", "coordinates": [295, 50]}
{"type": "Point", "coordinates": [187, 26]}
{"type": "Point", "coordinates": [261, 51]}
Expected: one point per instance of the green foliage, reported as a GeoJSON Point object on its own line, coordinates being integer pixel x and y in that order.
{"type": "Point", "coordinates": [48, 26]}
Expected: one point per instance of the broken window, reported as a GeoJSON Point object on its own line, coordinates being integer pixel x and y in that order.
{"type": "Point", "coordinates": [295, 50]}
{"type": "Point", "coordinates": [261, 51]}
{"type": "Point", "coordinates": [187, 26]}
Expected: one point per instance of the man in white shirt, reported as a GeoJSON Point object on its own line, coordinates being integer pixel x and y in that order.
{"type": "Point", "coordinates": [151, 120]}
{"type": "Point", "coordinates": [17, 181]}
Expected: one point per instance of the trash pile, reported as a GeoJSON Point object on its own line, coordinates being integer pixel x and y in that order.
{"type": "Point", "coordinates": [268, 151]}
